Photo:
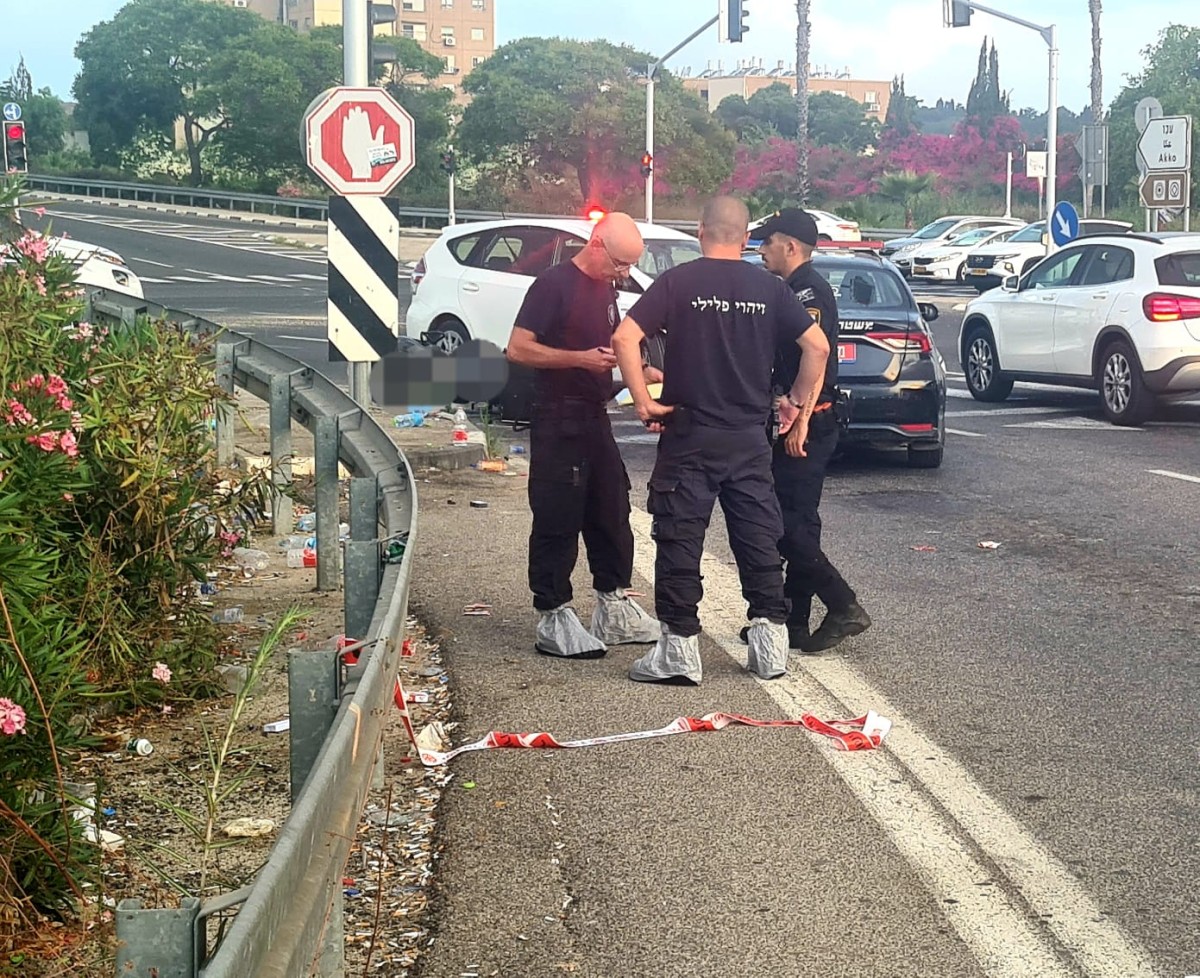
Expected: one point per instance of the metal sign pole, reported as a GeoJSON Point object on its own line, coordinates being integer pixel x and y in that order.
{"type": "Point", "coordinates": [356, 24]}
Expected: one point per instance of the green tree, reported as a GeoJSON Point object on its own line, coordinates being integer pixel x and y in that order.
{"type": "Point", "coordinates": [901, 111]}
{"type": "Point", "coordinates": [44, 115]}
{"type": "Point", "coordinates": [152, 64]}
{"type": "Point", "coordinates": [987, 100]}
{"type": "Point", "coordinates": [568, 109]}
{"type": "Point", "coordinates": [433, 110]}
{"type": "Point", "coordinates": [906, 188]}
{"type": "Point", "coordinates": [837, 120]}
{"type": "Point", "coordinates": [1172, 75]}
{"type": "Point", "coordinates": [770, 111]}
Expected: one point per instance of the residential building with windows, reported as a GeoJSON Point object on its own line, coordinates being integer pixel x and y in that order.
{"type": "Point", "coordinates": [715, 83]}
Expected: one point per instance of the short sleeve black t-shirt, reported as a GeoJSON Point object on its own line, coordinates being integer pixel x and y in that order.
{"type": "Point", "coordinates": [724, 320]}
{"type": "Point", "coordinates": [816, 295]}
{"type": "Point", "coordinates": [568, 310]}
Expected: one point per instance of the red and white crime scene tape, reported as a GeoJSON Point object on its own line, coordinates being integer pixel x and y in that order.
{"type": "Point", "coordinates": [860, 733]}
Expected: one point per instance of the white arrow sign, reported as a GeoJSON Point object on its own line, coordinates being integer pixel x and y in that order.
{"type": "Point", "coordinates": [1166, 143]}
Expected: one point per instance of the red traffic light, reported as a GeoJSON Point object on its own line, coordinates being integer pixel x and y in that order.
{"type": "Point", "coordinates": [15, 130]}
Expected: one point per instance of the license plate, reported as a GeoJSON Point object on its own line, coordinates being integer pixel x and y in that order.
{"type": "Point", "coordinates": [920, 270]}
{"type": "Point", "coordinates": [977, 271]}
{"type": "Point", "coordinates": [847, 352]}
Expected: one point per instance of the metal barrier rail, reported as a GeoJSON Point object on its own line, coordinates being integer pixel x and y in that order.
{"type": "Point", "coordinates": [290, 921]}
{"type": "Point", "coordinates": [302, 208]}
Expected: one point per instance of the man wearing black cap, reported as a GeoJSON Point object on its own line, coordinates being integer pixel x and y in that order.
{"type": "Point", "coordinates": [788, 239]}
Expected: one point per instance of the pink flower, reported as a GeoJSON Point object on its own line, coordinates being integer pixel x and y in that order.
{"type": "Point", "coordinates": [47, 441]}
{"type": "Point", "coordinates": [33, 246]}
{"type": "Point", "coordinates": [40, 211]}
{"type": "Point", "coordinates": [36, 382]}
{"type": "Point", "coordinates": [69, 496]}
{"type": "Point", "coordinates": [39, 283]}
{"type": "Point", "coordinates": [68, 444]}
{"type": "Point", "coordinates": [83, 331]}
{"type": "Point", "coordinates": [56, 385]}
{"type": "Point", "coordinates": [161, 672]}
{"type": "Point", "coordinates": [12, 717]}
{"type": "Point", "coordinates": [17, 413]}
{"type": "Point", "coordinates": [65, 403]}
{"type": "Point", "coordinates": [76, 421]}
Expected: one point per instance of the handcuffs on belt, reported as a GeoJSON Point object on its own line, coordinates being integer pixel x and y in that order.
{"type": "Point", "coordinates": [840, 409]}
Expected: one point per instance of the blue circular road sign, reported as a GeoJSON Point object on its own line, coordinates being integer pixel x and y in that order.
{"type": "Point", "coordinates": [12, 112]}
{"type": "Point", "coordinates": [1064, 223]}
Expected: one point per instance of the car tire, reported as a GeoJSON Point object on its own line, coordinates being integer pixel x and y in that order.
{"type": "Point", "coordinates": [925, 458]}
{"type": "Point", "coordinates": [961, 275]}
{"type": "Point", "coordinates": [1123, 393]}
{"type": "Point", "coordinates": [982, 367]}
{"type": "Point", "coordinates": [824, 237]}
{"type": "Point", "coordinates": [454, 335]}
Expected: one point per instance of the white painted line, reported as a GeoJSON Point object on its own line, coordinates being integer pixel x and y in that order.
{"type": "Point", "coordinates": [315, 278]}
{"type": "Point", "coordinates": [186, 278]}
{"type": "Point", "coordinates": [1173, 424]}
{"type": "Point", "coordinates": [968, 434]}
{"type": "Point", "coordinates": [154, 281]}
{"type": "Point", "coordinates": [272, 278]}
{"type": "Point", "coordinates": [1001, 412]}
{"type": "Point", "coordinates": [961, 307]}
{"type": "Point", "coordinates": [1016, 928]}
{"type": "Point", "coordinates": [1175, 475]}
{"type": "Point", "coordinates": [647, 439]}
{"type": "Point", "coordinates": [306, 339]}
{"type": "Point", "coordinates": [956, 376]}
{"type": "Point", "coordinates": [232, 278]}
{"type": "Point", "coordinates": [147, 261]}
{"type": "Point", "coordinates": [1071, 424]}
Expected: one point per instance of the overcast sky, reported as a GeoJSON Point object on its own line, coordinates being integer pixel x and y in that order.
{"type": "Point", "coordinates": [872, 39]}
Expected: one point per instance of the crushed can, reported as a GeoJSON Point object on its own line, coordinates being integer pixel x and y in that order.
{"type": "Point", "coordinates": [140, 746]}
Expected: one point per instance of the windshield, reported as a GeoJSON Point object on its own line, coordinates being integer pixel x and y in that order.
{"type": "Point", "coordinates": [664, 253]}
{"type": "Point", "coordinates": [864, 291]}
{"type": "Point", "coordinates": [936, 229]}
{"type": "Point", "coordinates": [1031, 232]}
{"type": "Point", "coordinates": [973, 237]}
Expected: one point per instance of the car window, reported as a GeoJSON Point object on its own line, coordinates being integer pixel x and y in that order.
{"type": "Point", "coordinates": [572, 245]}
{"type": "Point", "coordinates": [520, 250]}
{"type": "Point", "coordinates": [861, 290]}
{"type": "Point", "coordinates": [1002, 236]}
{"type": "Point", "coordinates": [1181, 269]}
{"type": "Point", "coordinates": [1106, 265]}
{"type": "Point", "coordinates": [461, 248]}
{"type": "Point", "coordinates": [972, 237]}
{"type": "Point", "coordinates": [1056, 271]}
{"type": "Point", "coordinates": [661, 254]}
{"type": "Point", "coordinates": [936, 229]}
{"type": "Point", "coordinates": [1031, 232]}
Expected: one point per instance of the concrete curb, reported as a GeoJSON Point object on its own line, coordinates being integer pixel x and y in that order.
{"type": "Point", "coordinates": [446, 458]}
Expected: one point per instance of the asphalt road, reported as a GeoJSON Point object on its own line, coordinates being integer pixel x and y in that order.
{"type": "Point", "coordinates": [1036, 812]}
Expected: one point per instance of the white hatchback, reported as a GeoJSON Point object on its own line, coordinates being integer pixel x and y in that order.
{"type": "Point", "coordinates": [947, 260]}
{"type": "Point", "coordinates": [1119, 314]}
{"type": "Point", "coordinates": [471, 282]}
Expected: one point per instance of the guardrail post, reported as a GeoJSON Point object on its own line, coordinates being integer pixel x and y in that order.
{"type": "Point", "coordinates": [312, 706]}
{"type": "Point", "coordinates": [224, 412]}
{"type": "Point", "coordinates": [361, 576]}
{"type": "Point", "coordinates": [282, 519]}
{"type": "Point", "coordinates": [157, 943]}
{"type": "Point", "coordinates": [325, 476]}
{"type": "Point", "coordinates": [333, 946]}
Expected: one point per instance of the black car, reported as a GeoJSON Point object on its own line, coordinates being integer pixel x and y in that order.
{"type": "Point", "coordinates": [887, 362]}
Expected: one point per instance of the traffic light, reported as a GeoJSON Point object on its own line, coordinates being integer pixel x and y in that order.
{"type": "Point", "coordinates": [16, 152]}
{"type": "Point", "coordinates": [732, 20]}
{"type": "Point", "coordinates": [380, 13]}
{"type": "Point", "coordinates": [956, 13]}
{"type": "Point", "coordinates": [647, 164]}
{"type": "Point", "coordinates": [448, 163]}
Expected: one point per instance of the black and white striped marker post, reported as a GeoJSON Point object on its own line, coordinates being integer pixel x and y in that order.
{"type": "Point", "coordinates": [364, 273]}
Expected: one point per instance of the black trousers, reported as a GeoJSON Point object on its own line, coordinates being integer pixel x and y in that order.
{"type": "Point", "coordinates": [798, 483]}
{"type": "Point", "coordinates": [696, 466]}
{"type": "Point", "coordinates": [577, 484]}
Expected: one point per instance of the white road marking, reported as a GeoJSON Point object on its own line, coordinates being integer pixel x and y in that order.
{"type": "Point", "coordinates": [1072, 424]}
{"type": "Point", "coordinates": [646, 439]}
{"type": "Point", "coordinates": [232, 278]}
{"type": "Point", "coordinates": [1014, 929]}
{"type": "Point", "coordinates": [968, 434]}
{"type": "Point", "coordinates": [1004, 411]}
{"type": "Point", "coordinates": [147, 261]}
{"type": "Point", "coordinates": [316, 278]}
{"type": "Point", "coordinates": [154, 281]}
{"type": "Point", "coordinates": [273, 278]}
{"type": "Point", "coordinates": [961, 307]}
{"type": "Point", "coordinates": [307, 339]}
{"type": "Point", "coordinates": [956, 376]}
{"type": "Point", "coordinates": [1175, 475]}
{"type": "Point", "coordinates": [186, 278]}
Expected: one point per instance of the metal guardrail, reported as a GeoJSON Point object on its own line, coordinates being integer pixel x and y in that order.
{"type": "Point", "coordinates": [301, 208]}
{"type": "Point", "coordinates": [290, 921]}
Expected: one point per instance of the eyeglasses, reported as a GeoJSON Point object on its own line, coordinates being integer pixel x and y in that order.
{"type": "Point", "coordinates": [620, 266]}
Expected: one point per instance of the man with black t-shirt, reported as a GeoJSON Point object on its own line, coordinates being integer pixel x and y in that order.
{"type": "Point", "coordinates": [577, 479]}
{"type": "Point", "coordinates": [788, 239]}
{"type": "Point", "coordinates": [724, 320]}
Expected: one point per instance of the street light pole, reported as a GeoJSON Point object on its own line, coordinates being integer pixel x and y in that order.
{"type": "Point", "coordinates": [651, 74]}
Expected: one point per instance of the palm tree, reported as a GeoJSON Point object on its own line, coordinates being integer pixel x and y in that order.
{"type": "Point", "coordinates": [906, 187]}
{"type": "Point", "coordinates": [802, 51]}
{"type": "Point", "coordinates": [1097, 76]}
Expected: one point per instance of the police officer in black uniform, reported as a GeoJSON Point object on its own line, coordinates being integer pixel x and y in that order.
{"type": "Point", "coordinates": [723, 321]}
{"type": "Point", "coordinates": [577, 480]}
{"type": "Point", "coordinates": [788, 239]}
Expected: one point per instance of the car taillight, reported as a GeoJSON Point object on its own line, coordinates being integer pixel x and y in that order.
{"type": "Point", "coordinates": [1161, 307]}
{"type": "Point", "coordinates": [914, 342]}
{"type": "Point", "coordinates": [418, 274]}
{"type": "Point", "coordinates": [848, 227]}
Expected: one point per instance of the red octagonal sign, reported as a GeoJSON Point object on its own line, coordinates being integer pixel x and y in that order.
{"type": "Point", "coordinates": [359, 140]}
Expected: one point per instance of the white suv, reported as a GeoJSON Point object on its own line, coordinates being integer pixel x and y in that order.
{"type": "Point", "coordinates": [472, 280]}
{"type": "Point", "coordinates": [1115, 313]}
{"type": "Point", "coordinates": [990, 264]}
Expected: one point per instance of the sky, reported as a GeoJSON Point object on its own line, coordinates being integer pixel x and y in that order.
{"type": "Point", "coordinates": [871, 39]}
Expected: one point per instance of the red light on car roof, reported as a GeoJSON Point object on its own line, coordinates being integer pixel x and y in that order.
{"type": "Point", "coordinates": [596, 213]}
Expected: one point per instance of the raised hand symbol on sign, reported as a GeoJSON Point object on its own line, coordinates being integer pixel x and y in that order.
{"type": "Point", "coordinates": [357, 142]}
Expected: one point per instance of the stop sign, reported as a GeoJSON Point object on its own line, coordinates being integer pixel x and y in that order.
{"type": "Point", "coordinates": [359, 140]}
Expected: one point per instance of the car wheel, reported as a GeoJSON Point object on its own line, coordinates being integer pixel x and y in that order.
{"type": "Point", "coordinates": [1123, 392]}
{"type": "Point", "coordinates": [925, 458]}
{"type": "Point", "coordinates": [824, 237]}
{"type": "Point", "coordinates": [453, 335]}
{"type": "Point", "coordinates": [961, 275]}
{"type": "Point", "coordinates": [982, 367]}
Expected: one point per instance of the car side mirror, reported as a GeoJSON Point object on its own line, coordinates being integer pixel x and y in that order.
{"type": "Point", "coordinates": [1011, 284]}
{"type": "Point", "coordinates": [1045, 239]}
{"type": "Point", "coordinates": [929, 312]}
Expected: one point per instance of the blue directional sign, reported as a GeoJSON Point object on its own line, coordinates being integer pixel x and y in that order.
{"type": "Point", "coordinates": [12, 112]}
{"type": "Point", "coordinates": [1064, 223]}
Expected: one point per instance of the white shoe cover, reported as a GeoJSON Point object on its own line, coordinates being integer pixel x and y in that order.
{"type": "Point", "coordinates": [560, 633]}
{"type": "Point", "coordinates": [767, 649]}
{"type": "Point", "coordinates": [619, 620]}
{"type": "Point", "coordinates": [674, 661]}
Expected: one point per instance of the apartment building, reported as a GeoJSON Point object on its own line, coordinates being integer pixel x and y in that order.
{"type": "Point", "coordinates": [715, 83]}
{"type": "Point", "coordinates": [460, 32]}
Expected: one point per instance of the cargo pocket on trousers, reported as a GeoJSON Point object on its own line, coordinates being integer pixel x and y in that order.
{"type": "Point", "coordinates": [662, 502]}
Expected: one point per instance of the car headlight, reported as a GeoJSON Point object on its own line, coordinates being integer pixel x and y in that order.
{"type": "Point", "coordinates": [1007, 266]}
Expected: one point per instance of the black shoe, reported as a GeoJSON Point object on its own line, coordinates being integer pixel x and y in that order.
{"type": "Point", "coordinates": [797, 636]}
{"type": "Point", "coordinates": [838, 626]}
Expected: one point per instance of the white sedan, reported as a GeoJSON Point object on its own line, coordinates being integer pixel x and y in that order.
{"type": "Point", "coordinates": [947, 261]}
{"type": "Point", "coordinates": [98, 267]}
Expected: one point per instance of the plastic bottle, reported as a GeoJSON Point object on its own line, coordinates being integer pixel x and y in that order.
{"type": "Point", "coordinates": [302, 557]}
{"type": "Point", "coordinates": [228, 616]}
{"type": "Point", "coordinates": [307, 523]}
{"type": "Point", "coordinates": [413, 419]}
{"type": "Point", "coordinates": [294, 542]}
{"type": "Point", "coordinates": [460, 426]}
{"type": "Point", "coordinates": [251, 560]}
